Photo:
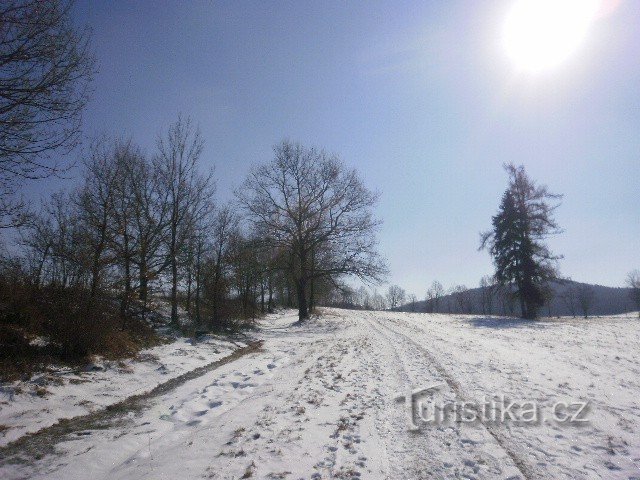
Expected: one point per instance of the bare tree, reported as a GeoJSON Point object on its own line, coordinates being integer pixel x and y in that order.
{"type": "Point", "coordinates": [309, 205]}
{"type": "Point", "coordinates": [487, 293]}
{"type": "Point", "coordinates": [395, 296]}
{"type": "Point", "coordinates": [463, 298]}
{"type": "Point", "coordinates": [224, 230]}
{"type": "Point", "coordinates": [434, 295]}
{"type": "Point", "coordinates": [150, 219]}
{"type": "Point", "coordinates": [95, 201]}
{"type": "Point", "coordinates": [45, 69]}
{"type": "Point", "coordinates": [586, 297]}
{"type": "Point", "coordinates": [633, 282]}
{"type": "Point", "coordinates": [378, 302]}
{"type": "Point", "coordinates": [49, 239]}
{"type": "Point", "coordinates": [177, 164]}
{"type": "Point", "coordinates": [122, 232]}
{"type": "Point", "coordinates": [413, 300]}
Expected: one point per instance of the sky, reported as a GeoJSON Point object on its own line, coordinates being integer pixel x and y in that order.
{"type": "Point", "coordinates": [420, 97]}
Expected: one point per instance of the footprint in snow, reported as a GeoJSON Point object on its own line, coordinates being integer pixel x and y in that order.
{"type": "Point", "coordinates": [242, 385]}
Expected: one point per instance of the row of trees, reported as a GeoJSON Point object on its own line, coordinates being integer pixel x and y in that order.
{"type": "Point", "coordinates": [139, 223]}
{"type": "Point", "coordinates": [136, 222]}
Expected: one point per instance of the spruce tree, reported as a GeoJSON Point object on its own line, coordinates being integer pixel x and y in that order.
{"type": "Point", "coordinates": [516, 242]}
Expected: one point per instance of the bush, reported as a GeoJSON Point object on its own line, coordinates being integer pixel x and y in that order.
{"type": "Point", "coordinates": [69, 324]}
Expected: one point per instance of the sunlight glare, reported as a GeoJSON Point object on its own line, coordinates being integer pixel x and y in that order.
{"type": "Point", "coordinates": [539, 34]}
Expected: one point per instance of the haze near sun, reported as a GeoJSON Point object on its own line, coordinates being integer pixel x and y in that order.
{"type": "Point", "coordinates": [540, 34]}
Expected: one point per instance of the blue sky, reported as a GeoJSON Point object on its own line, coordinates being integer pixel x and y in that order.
{"type": "Point", "coordinates": [420, 97]}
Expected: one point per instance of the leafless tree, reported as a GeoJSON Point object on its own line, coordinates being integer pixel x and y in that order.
{"type": "Point", "coordinates": [45, 70]}
{"type": "Point", "coordinates": [365, 298]}
{"type": "Point", "coordinates": [488, 286]}
{"type": "Point", "coordinates": [177, 161]}
{"type": "Point", "coordinates": [308, 204]}
{"type": "Point", "coordinates": [395, 296]}
{"type": "Point", "coordinates": [378, 301]}
{"type": "Point", "coordinates": [150, 222]}
{"type": "Point", "coordinates": [225, 229]}
{"type": "Point", "coordinates": [586, 297]}
{"type": "Point", "coordinates": [95, 201]}
{"type": "Point", "coordinates": [633, 282]}
{"type": "Point", "coordinates": [49, 239]}
{"type": "Point", "coordinates": [413, 300]}
{"type": "Point", "coordinates": [434, 295]}
{"type": "Point", "coordinates": [462, 298]}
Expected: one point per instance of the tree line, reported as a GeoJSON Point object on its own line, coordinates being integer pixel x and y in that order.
{"type": "Point", "coordinates": [139, 224]}
{"type": "Point", "coordinates": [95, 260]}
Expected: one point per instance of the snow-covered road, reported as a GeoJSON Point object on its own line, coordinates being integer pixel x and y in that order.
{"type": "Point", "coordinates": [321, 401]}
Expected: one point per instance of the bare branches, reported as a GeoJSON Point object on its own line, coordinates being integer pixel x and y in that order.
{"type": "Point", "coordinates": [45, 70]}
{"type": "Point", "coordinates": [306, 202]}
{"type": "Point", "coordinates": [633, 282]}
{"type": "Point", "coordinates": [189, 192]}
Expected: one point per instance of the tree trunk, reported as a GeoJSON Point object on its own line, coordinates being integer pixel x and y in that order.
{"type": "Point", "coordinates": [216, 289]}
{"type": "Point", "coordinates": [311, 282]}
{"type": "Point", "coordinates": [523, 305]}
{"type": "Point", "coordinates": [124, 305]}
{"type": "Point", "coordinates": [189, 284]}
{"type": "Point", "coordinates": [198, 277]}
{"type": "Point", "coordinates": [270, 303]}
{"type": "Point", "coordinates": [301, 287]}
{"type": "Point", "coordinates": [174, 292]}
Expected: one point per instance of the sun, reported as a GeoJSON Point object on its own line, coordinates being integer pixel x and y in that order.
{"type": "Point", "coordinates": [540, 34]}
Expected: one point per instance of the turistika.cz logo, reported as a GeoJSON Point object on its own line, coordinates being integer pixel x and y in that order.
{"type": "Point", "coordinates": [422, 408]}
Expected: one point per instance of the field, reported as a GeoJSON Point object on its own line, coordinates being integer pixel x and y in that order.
{"type": "Point", "coordinates": [324, 400]}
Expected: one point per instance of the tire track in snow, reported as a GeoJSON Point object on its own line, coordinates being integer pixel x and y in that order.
{"type": "Point", "coordinates": [523, 467]}
{"type": "Point", "coordinates": [398, 422]}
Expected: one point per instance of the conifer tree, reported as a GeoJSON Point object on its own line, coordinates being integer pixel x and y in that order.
{"type": "Point", "coordinates": [516, 241]}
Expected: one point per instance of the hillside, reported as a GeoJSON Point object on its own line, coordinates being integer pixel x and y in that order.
{"type": "Point", "coordinates": [565, 301]}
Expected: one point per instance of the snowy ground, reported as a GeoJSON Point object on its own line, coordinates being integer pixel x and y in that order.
{"type": "Point", "coordinates": [320, 401]}
{"type": "Point", "coordinates": [27, 406]}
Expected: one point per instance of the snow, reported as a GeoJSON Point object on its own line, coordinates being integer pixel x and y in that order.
{"type": "Point", "coordinates": [72, 392]}
{"type": "Point", "coordinates": [320, 401]}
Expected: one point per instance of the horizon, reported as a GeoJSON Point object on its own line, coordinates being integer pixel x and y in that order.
{"type": "Point", "coordinates": [421, 99]}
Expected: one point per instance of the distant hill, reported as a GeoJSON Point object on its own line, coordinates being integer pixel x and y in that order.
{"type": "Point", "coordinates": [565, 296]}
